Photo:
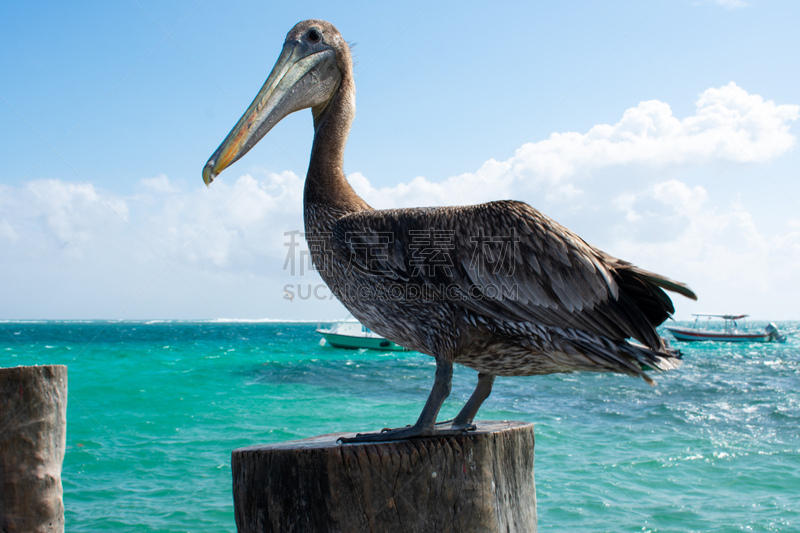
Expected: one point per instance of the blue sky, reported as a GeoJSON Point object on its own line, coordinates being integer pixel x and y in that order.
{"type": "Point", "coordinates": [663, 132]}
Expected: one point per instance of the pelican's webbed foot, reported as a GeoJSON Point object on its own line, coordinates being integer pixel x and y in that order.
{"type": "Point", "coordinates": [407, 432]}
{"type": "Point", "coordinates": [455, 425]}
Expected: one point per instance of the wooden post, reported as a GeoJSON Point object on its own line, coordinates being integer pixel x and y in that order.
{"type": "Point", "coordinates": [481, 481]}
{"type": "Point", "coordinates": [33, 432]}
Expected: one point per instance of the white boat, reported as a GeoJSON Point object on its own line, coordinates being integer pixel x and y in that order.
{"type": "Point", "coordinates": [728, 333]}
{"type": "Point", "coordinates": [354, 335]}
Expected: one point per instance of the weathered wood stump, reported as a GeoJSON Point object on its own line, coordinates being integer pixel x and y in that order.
{"type": "Point", "coordinates": [33, 432]}
{"type": "Point", "coordinates": [481, 481]}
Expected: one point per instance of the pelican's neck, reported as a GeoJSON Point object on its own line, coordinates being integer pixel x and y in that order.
{"type": "Point", "coordinates": [326, 185]}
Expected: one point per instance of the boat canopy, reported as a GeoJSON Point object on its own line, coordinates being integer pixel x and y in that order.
{"type": "Point", "coordinates": [726, 317]}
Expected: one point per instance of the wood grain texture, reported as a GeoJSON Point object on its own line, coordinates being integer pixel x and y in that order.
{"type": "Point", "coordinates": [482, 481]}
{"type": "Point", "coordinates": [33, 432]}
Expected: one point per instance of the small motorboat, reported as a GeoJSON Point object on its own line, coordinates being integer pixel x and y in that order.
{"type": "Point", "coordinates": [728, 333]}
{"type": "Point", "coordinates": [353, 335]}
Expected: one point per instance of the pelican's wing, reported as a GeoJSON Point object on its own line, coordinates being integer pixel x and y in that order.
{"type": "Point", "coordinates": [508, 261]}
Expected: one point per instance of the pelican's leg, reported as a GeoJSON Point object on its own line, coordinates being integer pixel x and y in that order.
{"type": "Point", "coordinates": [425, 423]}
{"type": "Point", "coordinates": [467, 414]}
{"type": "Point", "coordinates": [479, 395]}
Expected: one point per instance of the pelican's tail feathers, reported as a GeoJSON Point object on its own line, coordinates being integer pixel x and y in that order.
{"type": "Point", "coordinates": [665, 283]}
{"type": "Point", "coordinates": [630, 358]}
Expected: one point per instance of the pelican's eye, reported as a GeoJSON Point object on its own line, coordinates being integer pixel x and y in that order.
{"type": "Point", "coordinates": [314, 36]}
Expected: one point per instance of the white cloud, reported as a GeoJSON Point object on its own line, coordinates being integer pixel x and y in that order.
{"type": "Point", "coordinates": [165, 251]}
{"type": "Point", "coordinates": [7, 232]}
{"type": "Point", "coordinates": [729, 124]}
{"type": "Point", "coordinates": [172, 250]}
{"type": "Point", "coordinates": [54, 213]}
{"type": "Point", "coordinates": [718, 248]}
{"type": "Point", "coordinates": [682, 198]}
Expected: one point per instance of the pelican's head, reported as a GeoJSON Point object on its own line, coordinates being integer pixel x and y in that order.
{"type": "Point", "coordinates": [307, 74]}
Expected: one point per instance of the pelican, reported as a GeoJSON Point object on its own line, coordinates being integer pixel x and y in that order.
{"type": "Point", "coordinates": [498, 287]}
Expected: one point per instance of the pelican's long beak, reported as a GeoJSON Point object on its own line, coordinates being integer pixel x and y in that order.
{"type": "Point", "coordinates": [304, 76]}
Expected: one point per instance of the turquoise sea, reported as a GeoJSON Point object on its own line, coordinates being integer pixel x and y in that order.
{"type": "Point", "coordinates": [155, 408]}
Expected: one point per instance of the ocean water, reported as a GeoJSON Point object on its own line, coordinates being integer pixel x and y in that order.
{"type": "Point", "coordinates": [155, 409]}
